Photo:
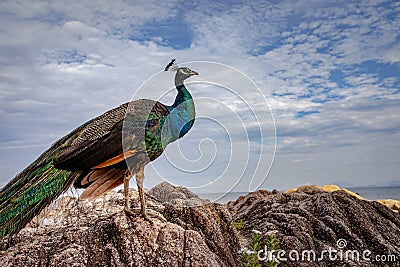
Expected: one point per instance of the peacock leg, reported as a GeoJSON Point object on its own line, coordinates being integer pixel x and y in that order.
{"type": "Point", "coordinates": [139, 182]}
{"type": "Point", "coordinates": [127, 178]}
{"type": "Point", "coordinates": [143, 211]}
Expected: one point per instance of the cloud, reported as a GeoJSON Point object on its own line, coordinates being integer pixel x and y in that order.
{"type": "Point", "coordinates": [330, 72]}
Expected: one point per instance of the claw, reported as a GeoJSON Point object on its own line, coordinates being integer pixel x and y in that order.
{"type": "Point", "coordinates": [146, 215]}
{"type": "Point", "coordinates": [155, 214]}
{"type": "Point", "coordinates": [132, 212]}
{"type": "Point", "coordinates": [137, 212]}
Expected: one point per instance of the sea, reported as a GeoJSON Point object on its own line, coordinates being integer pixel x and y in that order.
{"type": "Point", "coordinates": [374, 193]}
{"type": "Point", "coordinates": [371, 193]}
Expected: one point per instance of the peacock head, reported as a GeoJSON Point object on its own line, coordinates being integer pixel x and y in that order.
{"type": "Point", "coordinates": [185, 72]}
{"type": "Point", "coordinates": [182, 73]}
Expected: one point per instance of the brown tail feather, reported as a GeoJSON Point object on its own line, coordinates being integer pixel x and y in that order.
{"type": "Point", "coordinates": [90, 177]}
{"type": "Point", "coordinates": [102, 181]}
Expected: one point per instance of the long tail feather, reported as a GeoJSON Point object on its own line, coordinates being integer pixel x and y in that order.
{"type": "Point", "coordinates": [104, 180]}
{"type": "Point", "coordinates": [32, 190]}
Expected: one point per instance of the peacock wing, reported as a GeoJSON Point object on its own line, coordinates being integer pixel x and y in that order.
{"type": "Point", "coordinates": [105, 138]}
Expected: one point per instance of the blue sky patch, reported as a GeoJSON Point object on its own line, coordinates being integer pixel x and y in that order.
{"type": "Point", "coordinates": [302, 114]}
{"type": "Point", "coordinates": [337, 76]}
{"type": "Point", "coordinates": [173, 32]}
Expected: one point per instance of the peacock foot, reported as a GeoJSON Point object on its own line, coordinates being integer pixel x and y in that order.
{"type": "Point", "coordinates": [146, 214]}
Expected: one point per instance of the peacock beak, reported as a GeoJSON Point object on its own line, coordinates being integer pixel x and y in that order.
{"type": "Point", "coordinates": [193, 73]}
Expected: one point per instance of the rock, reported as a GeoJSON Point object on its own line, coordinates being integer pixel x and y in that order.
{"type": "Point", "coordinates": [291, 190]}
{"type": "Point", "coordinates": [98, 233]}
{"type": "Point", "coordinates": [189, 231]}
{"type": "Point", "coordinates": [244, 203]}
{"type": "Point", "coordinates": [311, 189]}
{"type": "Point", "coordinates": [391, 203]}
{"type": "Point", "coordinates": [166, 192]}
{"type": "Point", "coordinates": [311, 219]}
{"type": "Point", "coordinates": [330, 188]}
{"type": "Point", "coordinates": [177, 195]}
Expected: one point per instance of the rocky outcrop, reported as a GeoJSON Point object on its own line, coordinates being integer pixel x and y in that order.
{"type": "Point", "coordinates": [178, 195]}
{"type": "Point", "coordinates": [326, 188]}
{"type": "Point", "coordinates": [391, 203]}
{"type": "Point", "coordinates": [310, 219]}
{"type": "Point", "coordinates": [99, 233]}
{"type": "Point", "coordinates": [189, 231]}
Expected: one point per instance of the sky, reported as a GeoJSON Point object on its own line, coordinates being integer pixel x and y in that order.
{"type": "Point", "coordinates": [289, 92]}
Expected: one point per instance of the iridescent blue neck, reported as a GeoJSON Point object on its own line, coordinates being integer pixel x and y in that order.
{"type": "Point", "coordinates": [182, 96]}
{"type": "Point", "coordinates": [182, 115]}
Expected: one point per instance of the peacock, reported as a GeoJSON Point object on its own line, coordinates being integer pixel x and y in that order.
{"type": "Point", "coordinates": [100, 155]}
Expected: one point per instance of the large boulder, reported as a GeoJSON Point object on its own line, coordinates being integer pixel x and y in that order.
{"type": "Point", "coordinates": [189, 231]}
{"type": "Point", "coordinates": [309, 219]}
{"type": "Point", "coordinates": [99, 233]}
